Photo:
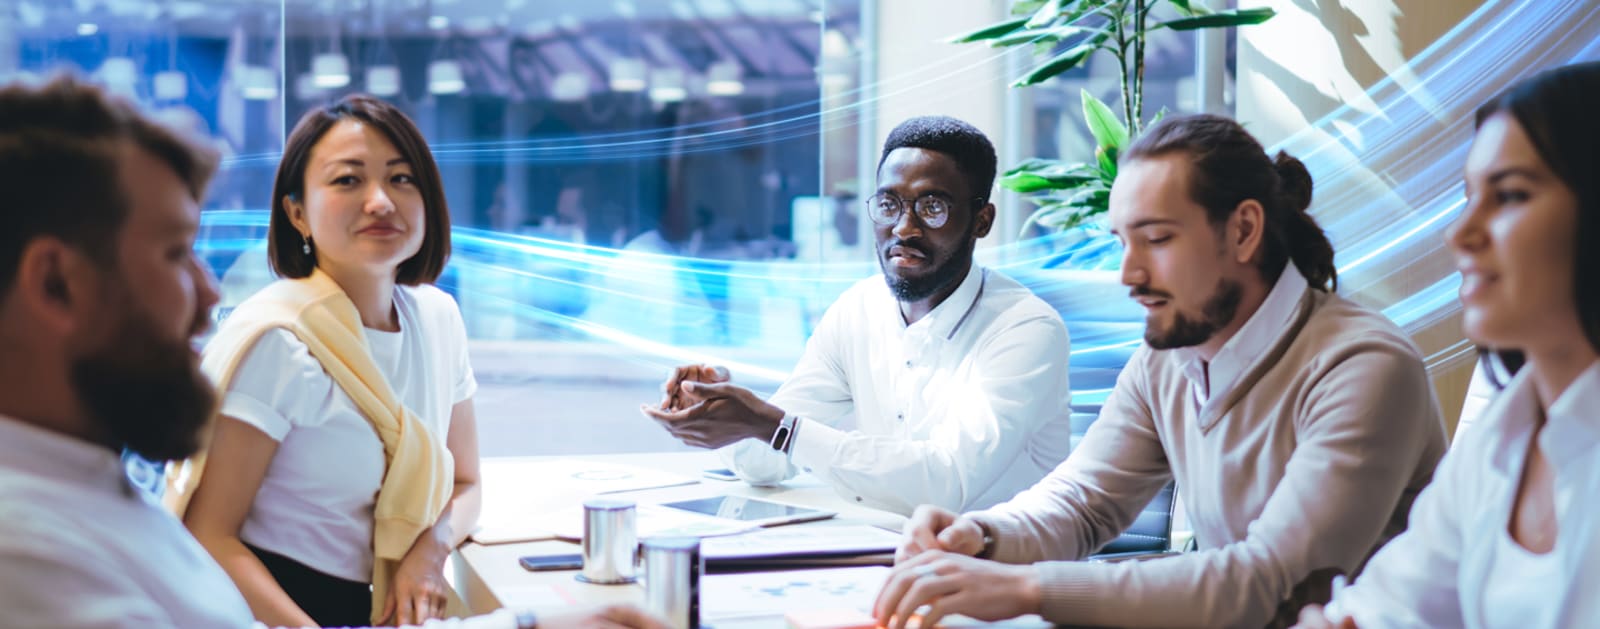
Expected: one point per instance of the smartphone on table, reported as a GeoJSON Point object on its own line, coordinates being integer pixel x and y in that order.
{"type": "Point", "coordinates": [541, 563]}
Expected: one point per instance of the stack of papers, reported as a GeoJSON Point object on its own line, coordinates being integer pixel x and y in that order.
{"type": "Point", "coordinates": [799, 542]}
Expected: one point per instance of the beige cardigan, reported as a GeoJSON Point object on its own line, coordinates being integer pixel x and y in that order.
{"type": "Point", "coordinates": [1307, 467]}
{"type": "Point", "coordinates": [419, 477]}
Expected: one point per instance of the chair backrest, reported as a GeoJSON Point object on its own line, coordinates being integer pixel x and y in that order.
{"type": "Point", "coordinates": [1152, 530]}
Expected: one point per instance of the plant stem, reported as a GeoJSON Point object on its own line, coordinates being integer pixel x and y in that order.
{"type": "Point", "coordinates": [1140, 12]}
{"type": "Point", "coordinates": [1122, 60]}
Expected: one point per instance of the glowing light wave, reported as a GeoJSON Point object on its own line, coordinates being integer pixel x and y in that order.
{"type": "Point", "coordinates": [1387, 185]}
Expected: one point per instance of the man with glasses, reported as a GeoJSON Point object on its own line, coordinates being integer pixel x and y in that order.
{"type": "Point", "coordinates": [956, 375]}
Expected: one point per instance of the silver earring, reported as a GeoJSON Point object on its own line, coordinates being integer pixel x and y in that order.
{"type": "Point", "coordinates": [305, 244]}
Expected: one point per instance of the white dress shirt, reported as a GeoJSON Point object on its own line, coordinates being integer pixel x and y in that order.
{"type": "Point", "coordinates": [1441, 571]}
{"type": "Point", "coordinates": [81, 547]}
{"type": "Point", "coordinates": [962, 409]}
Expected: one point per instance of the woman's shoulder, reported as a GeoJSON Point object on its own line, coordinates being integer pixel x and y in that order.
{"type": "Point", "coordinates": [428, 299]}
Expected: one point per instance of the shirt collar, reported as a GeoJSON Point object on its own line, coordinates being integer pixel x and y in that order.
{"type": "Point", "coordinates": [1573, 427]}
{"type": "Point", "coordinates": [34, 451]}
{"type": "Point", "coordinates": [1253, 339]}
{"type": "Point", "coordinates": [946, 319]}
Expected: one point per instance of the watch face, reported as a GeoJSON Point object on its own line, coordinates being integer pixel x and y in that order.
{"type": "Point", "coordinates": [780, 439]}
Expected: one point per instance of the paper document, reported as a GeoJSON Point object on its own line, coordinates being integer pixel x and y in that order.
{"type": "Point", "coordinates": [763, 599]}
{"type": "Point", "coordinates": [518, 492]}
{"type": "Point", "coordinates": [791, 541]}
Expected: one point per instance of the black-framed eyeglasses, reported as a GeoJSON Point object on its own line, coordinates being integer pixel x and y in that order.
{"type": "Point", "coordinates": [885, 208]}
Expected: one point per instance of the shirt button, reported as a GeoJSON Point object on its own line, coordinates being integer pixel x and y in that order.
{"type": "Point", "coordinates": [858, 498]}
{"type": "Point", "coordinates": [900, 416]}
{"type": "Point", "coordinates": [908, 363]}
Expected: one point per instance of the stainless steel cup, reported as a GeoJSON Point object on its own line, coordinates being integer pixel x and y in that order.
{"type": "Point", "coordinates": [672, 568]}
{"type": "Point", "coordinates": [610, 542]}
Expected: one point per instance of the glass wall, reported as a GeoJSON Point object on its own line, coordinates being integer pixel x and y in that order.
{"type": "Point", "coordinates": [633, 184]}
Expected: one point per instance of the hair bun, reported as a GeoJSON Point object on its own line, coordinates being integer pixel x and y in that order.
{"type": "Point", "coordinates": [1294, 181]}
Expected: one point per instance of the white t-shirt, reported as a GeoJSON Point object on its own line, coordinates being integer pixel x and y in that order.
{"type": "Point", "coordinates": [315, 504]}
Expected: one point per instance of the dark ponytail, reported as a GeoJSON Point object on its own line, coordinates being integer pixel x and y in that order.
{"type": "Point", "coordinates": [1299, 237]}
{"type": "Point", "coordinates": [1229, 167]}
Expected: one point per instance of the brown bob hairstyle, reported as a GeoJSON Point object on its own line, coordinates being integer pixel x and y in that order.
{"type": "Point", "coordinates": [284, 246]}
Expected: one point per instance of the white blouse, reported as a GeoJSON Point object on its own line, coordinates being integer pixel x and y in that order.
{"type": "Point", "coordinates": [315, 503]}
{"type": "Point", "coordinates": [1441, 571]}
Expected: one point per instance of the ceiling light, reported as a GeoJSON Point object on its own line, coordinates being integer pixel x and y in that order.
{"type": "Point", "coordinates": [722, 79]}
{"type": "Point", "coordinates": [666, 85]}
{"type": "Point", "coordinates": [330, 70]}
{"type": "Point", "coordinates": [444, 77]}
{"type": "Point", "coordinates": [170, 85]}
{"type": "Point", "coordinates": [87, 29]}
{"type": "Point", "coordinates": [258, 83]}
{"type": "Point", "coordinates": [627, 75]}
{"type": "Point", "coordinates": [570, 87]}
{"type": "Point", "coordinates": [383, 80]}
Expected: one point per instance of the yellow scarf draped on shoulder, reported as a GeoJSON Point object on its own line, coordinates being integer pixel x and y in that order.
{"type": "Point", "coordinates": [418, 480]}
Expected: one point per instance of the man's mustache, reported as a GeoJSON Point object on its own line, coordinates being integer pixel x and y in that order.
{"type": "Point", "coordinates": [1146, 291]}
{"type": "Point", "coordinates": [909, 244]}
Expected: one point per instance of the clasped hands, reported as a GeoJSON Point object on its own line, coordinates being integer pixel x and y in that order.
{"type": "Point", "coordinates": [934, 566]}
{"type": "Point", "coordinates": [701, 408]}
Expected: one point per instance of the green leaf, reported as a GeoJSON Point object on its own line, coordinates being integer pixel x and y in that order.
{"type": "Point", "coordinates": [1068, 60]}
{"type": "Point", "coordinates": [989, 32]}
{"type": "Point", "coordinates": [1046, 14]}
{"type": "Point", "coordinates": [1220, 19]}
{"type": "Point", "coordinates": [1034, 182]}
{"type": "Point", "coordinates": [1037, 35]}
{"type": "Point", "coordinates": [1032, 164]}
{"type": "Point", "coordinates": [1107, 157]}
{"type": "Point", "coordinates": [1107, 129]}
{"type": "Point", "coordinates": [1026, 7]}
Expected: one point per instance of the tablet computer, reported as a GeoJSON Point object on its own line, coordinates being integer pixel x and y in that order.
{"type": "Point", "coordinates": [756, 510]}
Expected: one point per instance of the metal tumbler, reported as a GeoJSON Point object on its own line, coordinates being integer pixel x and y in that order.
{"type": "Point", "coordinates": [672, 568]}
{"type": "Point", "coordinates": [610, 542]}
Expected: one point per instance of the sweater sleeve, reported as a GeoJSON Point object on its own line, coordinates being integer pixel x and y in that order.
{"type": "Point", "coordinates": [1362, 427]}
{"type": "Point", "coordinates": [1097, 493]}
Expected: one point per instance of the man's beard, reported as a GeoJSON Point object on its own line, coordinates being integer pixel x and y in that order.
{"type": "Point", "coordinates": [1187, 331]}
{"type": "Point", "coordinates": [144, 391]}
{"type": "Point", "coordinates": [917, 289]}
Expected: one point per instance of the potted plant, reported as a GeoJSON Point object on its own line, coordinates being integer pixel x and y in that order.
{"type": "Point", "coordinates": [1068, 194]}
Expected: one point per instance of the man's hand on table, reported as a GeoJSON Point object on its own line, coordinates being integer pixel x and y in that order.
{"type": "Point", "coordinates": [1312, 617]}
{"type": "Point", "coordinates": [702, 409]}
{"type": "Point", "coordinates": [952, 583]}
{"type": "Point", "coordinates": [935, 528]}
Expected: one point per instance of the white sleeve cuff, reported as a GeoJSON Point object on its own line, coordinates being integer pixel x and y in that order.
{"type": "Point", "coordinates": [815, 445]}
{"type": "Point", "coordinates": [255, 413]}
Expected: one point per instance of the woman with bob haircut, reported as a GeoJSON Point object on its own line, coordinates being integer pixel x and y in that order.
{"type": "Point", "coordinates": [344, 461]}
{"type": "Point", "coordinates": [1508, 534]}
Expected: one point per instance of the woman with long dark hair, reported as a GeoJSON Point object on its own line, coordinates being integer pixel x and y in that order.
{"type": "Point", "coordinates": [1508, 535]}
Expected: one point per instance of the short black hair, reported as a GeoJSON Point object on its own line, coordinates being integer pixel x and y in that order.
{"type": "Point", "coordinates": [284, 245]}
{"type": "Point", "coordinates": [61, 151]}
{"type": "Point", "coordinates": [962, 142]}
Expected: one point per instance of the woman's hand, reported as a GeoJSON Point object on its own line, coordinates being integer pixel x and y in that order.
{"type": "Point", "coordinates": [418, 590]}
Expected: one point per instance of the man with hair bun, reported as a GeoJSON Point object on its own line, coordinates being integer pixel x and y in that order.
{"type": "Point", "coordinates": [1298, 425]}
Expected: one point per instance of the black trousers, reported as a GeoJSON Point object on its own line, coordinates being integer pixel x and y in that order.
{"type": "Point", "coordinates": [330, 600]}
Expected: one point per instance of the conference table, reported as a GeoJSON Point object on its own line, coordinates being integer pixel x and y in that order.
{"type": "Point", "coordinates": [488, 576]}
